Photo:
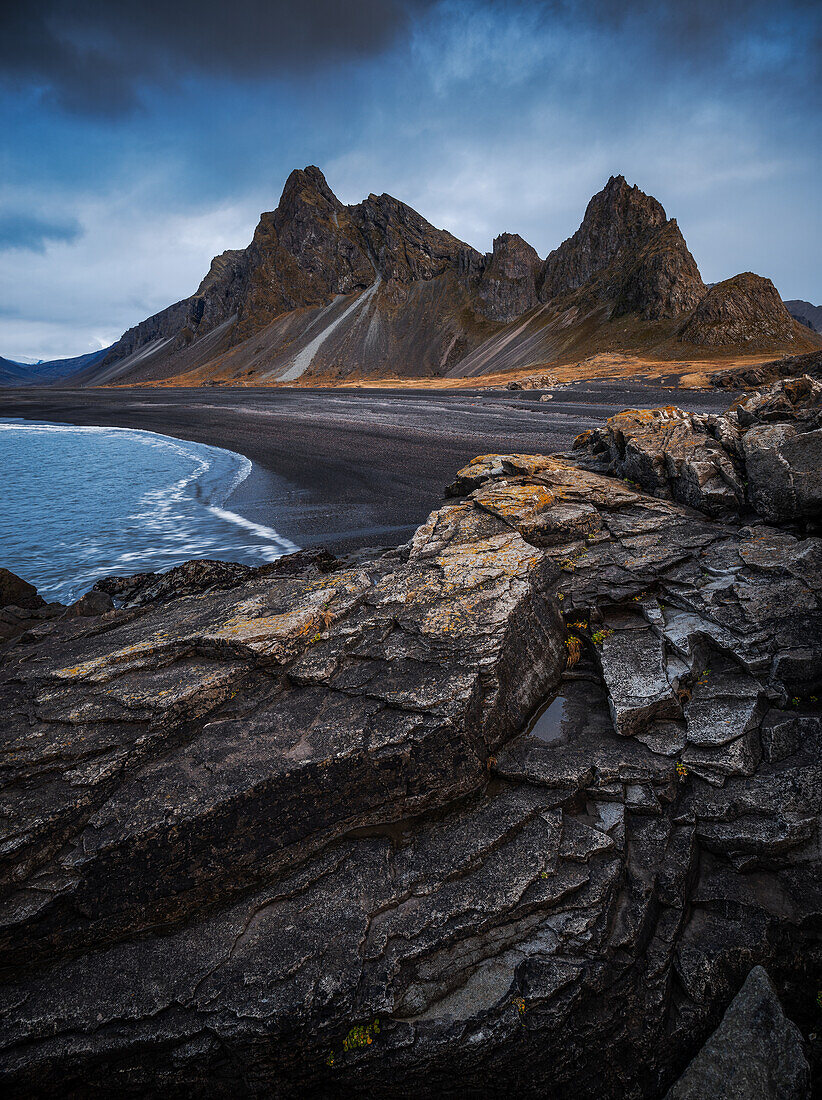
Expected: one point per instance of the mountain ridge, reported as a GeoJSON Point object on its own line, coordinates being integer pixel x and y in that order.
{"type": "Point", "coordinates": [806, 313]}
{"type": "Point", "coordinates": [328, 291]}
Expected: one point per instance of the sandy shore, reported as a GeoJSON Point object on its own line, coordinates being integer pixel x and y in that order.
{"type": "Point", "coordinates": [350, 469]}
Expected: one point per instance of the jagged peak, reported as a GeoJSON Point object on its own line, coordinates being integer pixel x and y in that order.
{"type": "Point", "coordinates": [617, 192]}
{"type": "Point", "coordinates": [509, 240]}
{"type": "Point", "coordinates": [304, 183]}
{"type": "Point", "coordinates": [618, 219]}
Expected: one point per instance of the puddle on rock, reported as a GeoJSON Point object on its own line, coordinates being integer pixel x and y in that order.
{"type": "Point", "coordinates": [546, 723]}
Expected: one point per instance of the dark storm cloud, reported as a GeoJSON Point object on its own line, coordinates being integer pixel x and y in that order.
{"type": "Point", "coordinates": [93, 56]}
{"type": "Point", "coordinates": [32, 234]}
{"type": "Point", "coordinates": [698, 33]}
{"type": "Point", "coordinates": [96, 56]}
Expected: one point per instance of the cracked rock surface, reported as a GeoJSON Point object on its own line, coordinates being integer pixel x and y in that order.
{"type": "Point", "coordinates": [763, 456]}
{"type": "Point", "coordinates": [517, 806]}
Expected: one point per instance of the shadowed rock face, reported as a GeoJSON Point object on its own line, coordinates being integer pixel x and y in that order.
{"type": "Point", "coordinates": [507, 286]}
{"type": "Point", "coordinates": [754, 1054]}
{"type": "Point", "coordinates": [661, 280]}
{"type": "Point", "coordinates": [617, 220]}
{"type": "Point", "coordinates": [805, 313]}
{"type": "Point", "coordinates": [628, 253]}
{"type": "Point", "coordinates": [287, 833]}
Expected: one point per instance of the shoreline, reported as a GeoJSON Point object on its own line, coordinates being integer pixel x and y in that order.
{"type": "Point", "coordinates": [344, 469]}
{"type": "Point", "coordinates": [145, 515]}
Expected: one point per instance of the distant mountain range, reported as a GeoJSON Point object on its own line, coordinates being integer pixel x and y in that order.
{"type": "Point", "coordinates": [44, 373]}
{"type": "Point", "coordinates": [327, 291]}
{"type": "Point", "coordinates": [806, 314]}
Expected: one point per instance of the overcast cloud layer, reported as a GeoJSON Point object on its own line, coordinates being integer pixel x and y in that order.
{"type": "Point", "coordinates": [140, 138]}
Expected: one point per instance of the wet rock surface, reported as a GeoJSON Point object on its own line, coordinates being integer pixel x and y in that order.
{"type": "Point", "coordinates": [517, 806]}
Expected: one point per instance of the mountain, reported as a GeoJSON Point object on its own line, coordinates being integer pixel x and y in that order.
{"type": "Point", "coordinates": [327, 291]}
{"type": "Point", "coordinates": [48, 372]}
{"type": "Point", "coordinates": [13, 374]}
{"type": "Point", "coordinates": [805, 313]}
{"type": "Point", "coordinates": [630, 253]}
{"type": "Point", "coordinates": [740, 312]}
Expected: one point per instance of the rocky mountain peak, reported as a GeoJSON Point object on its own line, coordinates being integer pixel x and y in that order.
{"type": "Point", "coordinates": [402, 244]}
{"type": "Point", "coordinates": [513, 255]}
{"type": "Point", "coordinates": [507, 286]}
{"type": "Point", "coordinates": [619, 218]}
{"type": "Point", "coordinates": [307, 185]}
{"type": "Point", "coordinates": [625, 259]}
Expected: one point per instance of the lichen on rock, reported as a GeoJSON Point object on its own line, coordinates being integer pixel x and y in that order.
{"type": "Point", "coordinates": [249, 813]}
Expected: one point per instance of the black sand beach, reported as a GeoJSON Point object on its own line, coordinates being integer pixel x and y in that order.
{"type": "Point", "coordinates": [344, 468]}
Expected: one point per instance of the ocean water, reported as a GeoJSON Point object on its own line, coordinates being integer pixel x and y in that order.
{"type": "Point", "coordinates": [83, 503]}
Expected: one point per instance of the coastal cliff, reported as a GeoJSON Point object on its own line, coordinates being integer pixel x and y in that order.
{"type": "Point", "coordinates": [523, 805]}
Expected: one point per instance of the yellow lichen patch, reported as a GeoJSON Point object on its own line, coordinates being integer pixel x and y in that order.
{"type": "Point", "coordinates": [515, 504]}
{"type": "Point", "coordinates": [99, 668]}
{"type": "Point", "coordinates": [644, 417]}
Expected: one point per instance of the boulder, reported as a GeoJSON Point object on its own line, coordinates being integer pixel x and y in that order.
{"type": "Point", "coordinates": [533, 382]}
{"type": "Point", "coordinates": [91, 604]}
{"type": "Point", "coordinates": [763, 455]}
{"type": "Point", "coordinates": [15, 591]}
{"type": "Point", "coordinates": [754, 1054]}
{"type": "Point", "coordinates": [669, 453]}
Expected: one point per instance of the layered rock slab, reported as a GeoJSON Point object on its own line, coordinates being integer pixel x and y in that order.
{"type": "Point", "coordinates": [763, 456]}
{"type": "Point", "coordinates": [251, 828]}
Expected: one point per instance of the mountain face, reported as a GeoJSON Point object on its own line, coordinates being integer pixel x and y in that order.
{"type": "Point", "coordinates": [805, 313]}
{"type": "Point", "coordinates": [629, 253]}
{"type": "Point", "coordinates": [508, 284]}
{"type": "Point", "coordinates": [328, 291]}
{"type": "Point", "coordinates": [743, 311]}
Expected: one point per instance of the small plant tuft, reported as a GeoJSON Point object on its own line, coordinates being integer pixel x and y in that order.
{"type": "Point", "coordinates": [574, 647]}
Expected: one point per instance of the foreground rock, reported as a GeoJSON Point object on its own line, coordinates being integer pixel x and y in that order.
{"type": "Point", "coordinates": [761, 458]}
{"type": "Point", "coordinates": [516, 807]}
{"type": "Point", "coordinates": [754, 1054]}
{"type": "Point", "coordinates": [21, 608]}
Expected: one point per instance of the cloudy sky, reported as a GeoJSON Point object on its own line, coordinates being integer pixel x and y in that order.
{"type": "Point", "coordinates": [141, 137]}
